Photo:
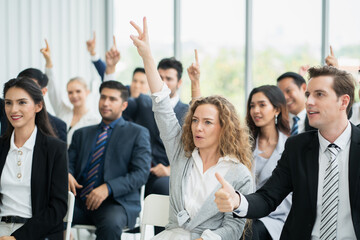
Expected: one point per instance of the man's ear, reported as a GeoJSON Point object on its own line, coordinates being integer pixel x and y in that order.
{"type": "Point", "coordinates": [345, 100]}
{"type": "Point", "coordinates": [44, 91]}
{"type": "Point", "coordinates": [179, 83]}
{"type": "Point", "coordinates": [124, 106]}
{"type": "Point", "coordinates": [303, 87]}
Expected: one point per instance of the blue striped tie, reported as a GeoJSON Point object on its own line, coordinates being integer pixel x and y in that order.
{"type": "Point", "coordinates": [295, 127]}
{"type": "Point", "coordinates": [95, 163]}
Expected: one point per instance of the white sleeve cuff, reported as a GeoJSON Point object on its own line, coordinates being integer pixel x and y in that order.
{"type": "Point", "coordinates": [159, 96]}
{"type": "Point", "coordinates": [242, 210]}
{"type": "Point", "coordinates": [95, 58]}
{"type": "Point", "coordinates": [108, 77]}
{"type": "Point", "coordinates": [210, 235]}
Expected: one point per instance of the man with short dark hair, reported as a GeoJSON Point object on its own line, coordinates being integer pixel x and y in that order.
{"type": "Point", "coordinates": [321, 168]}
{"type": "Point", "coordinates": [58, 125]}
{"type": "Point", "coordinates": [293, 86]}
{"type": "Point", "coordinates": [108, 164]}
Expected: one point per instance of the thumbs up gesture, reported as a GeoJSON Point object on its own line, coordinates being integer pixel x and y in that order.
{"type": "Point", "coordinates": [226, 198]}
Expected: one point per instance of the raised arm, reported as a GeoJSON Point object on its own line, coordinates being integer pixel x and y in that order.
{"type": "Point", "coordinates": [194, 75]}
{"type": "Point", "coordinates": [95, 59]}
{"type": "Point", "coordinates": [54, 87]}
{"type": "Point", "coordinates": [112, 57]}
{"type": "Point", "coordinates": [142, 44]}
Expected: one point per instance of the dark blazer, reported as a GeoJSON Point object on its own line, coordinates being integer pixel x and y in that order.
{"type": "Point", "coordinates": [297, 172]}
{"type": "Point", "coordinates": [126, 164]}
{"type": "Point", "coordinates": [3, 120]}
{"type": "Point", "coordinates": [307, 125]}
{"type": "Point", "coordinates": [59, 127]}
{"type": "Point", "coordinates": [140, 111]}
{"type": "Point", "coordinates": [49, 188]}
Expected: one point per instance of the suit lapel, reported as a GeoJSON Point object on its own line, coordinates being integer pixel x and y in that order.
{"type": "Point", "coordinates": [89, 139]}
{"type": "Point", "coordinates": [354, 166]}
{"type": "Point", "coordinates": [39, 164]}
{"type": "Point", "coordinates": [312, 168]}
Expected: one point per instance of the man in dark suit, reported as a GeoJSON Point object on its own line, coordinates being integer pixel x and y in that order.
{"type": "Point", "coordinates": [293, 86]}
{"type": "Point", "coordinates": [321, 168]}
{"type": "Point", "coordinates": [59, 126]}
{"type": "Point", "coordinates": [108, 163]}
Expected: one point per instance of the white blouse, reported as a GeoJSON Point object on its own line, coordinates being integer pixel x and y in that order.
{"type": "Point", "coordinates": [64, 109]}
{"type": "Point", "coordinates": [15, 182]}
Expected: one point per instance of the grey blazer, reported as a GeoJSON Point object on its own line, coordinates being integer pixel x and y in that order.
{"type": "Point", "coordinates": [208, 216]}
{"type": "Point", "coordinates": [274, 222]}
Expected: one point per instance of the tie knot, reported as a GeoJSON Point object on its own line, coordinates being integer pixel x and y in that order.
{"type": "Point", "coordinates": [296, 119]}
{"type": "Point", "coordinates": [333, 149]}
{"type": "Point", "coordinates": [106, 127]}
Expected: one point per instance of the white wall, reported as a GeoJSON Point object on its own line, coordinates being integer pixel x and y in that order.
{"type": "Point", "coordinates": [66, 24]}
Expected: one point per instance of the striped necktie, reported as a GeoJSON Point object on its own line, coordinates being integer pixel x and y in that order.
{"type": "Point", "coordinates": [330, 196]}
{"type": "Point", "coordinates": [96, 158]}
{"type": "Point", "coordinates": [295, 127]}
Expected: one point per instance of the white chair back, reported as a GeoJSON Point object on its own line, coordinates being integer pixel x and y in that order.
{"type": "Point", "coordinates": [156, 212]}
{"type": "Point", "coordinates": [69, 215]}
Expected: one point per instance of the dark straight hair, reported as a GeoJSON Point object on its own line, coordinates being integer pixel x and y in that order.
{"type": "Point", "coordinates": [277, 99]}
{"type": "Point", "coordinates": [41, 118]}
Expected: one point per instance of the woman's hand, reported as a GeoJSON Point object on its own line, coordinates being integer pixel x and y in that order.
{"type": "Point", "coordinates": [194, 75]}
{"type": "Point", "coordinates": [141, 42]}
{"type": "Point", "coordinates": [47, 55]}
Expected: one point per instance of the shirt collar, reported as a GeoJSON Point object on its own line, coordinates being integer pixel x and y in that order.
{"type": "Point", "coordinates": [301, 115]}
{"type": "Point", "coordinates": [341, 141]}
{"type": "Point", "coordinates": [174, 100]}
{"type": "Point", "coordinates": [113, 123]}
{"type": "Point", "coordinates": [29, 144]}
{"type": "Point", "coordinates": [196, 156]}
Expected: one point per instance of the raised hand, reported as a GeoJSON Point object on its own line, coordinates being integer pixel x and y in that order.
{"type": "Point", "coordinates": [141, 42]}
{"type": "Point", "coordinates": [91, 44]}
{"type": "Point", "coordinates": [194, 69]}
{"type": "Point", "coordinates": [303, 70]}
{"type": "Point", "coordinates": [47, 55]}
{"type": "Point", "coordinates": [112, 57]}
{"type": "Point", "coordinates": [226, 198]}
{"type": "Point", "coordinates": [331, 59]}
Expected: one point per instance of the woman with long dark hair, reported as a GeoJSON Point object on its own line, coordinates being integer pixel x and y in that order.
{"type": "Point", "coordinates": [267, 118]}
{"type": "Point", "coordinates": [33, 167]}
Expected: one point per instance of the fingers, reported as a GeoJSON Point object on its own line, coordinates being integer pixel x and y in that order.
{"type": "Point", "coordinates": [114, 42]}
{"type": "Point", "coordinates": [138, 29]}
{"type": "Point", "coordinates": [196, 57]}
{"type": "Point", "coordinates": [145, 25]}
{"type": "Point", "coordinates": [221, 180]}
{"type": "Point", "coordinates": [331, 51]}
{"type": "Point", "coordinates": [47, 44]}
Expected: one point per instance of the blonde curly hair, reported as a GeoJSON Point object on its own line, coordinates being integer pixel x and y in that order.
{"type": "Point", "coordinates": [235, 139]}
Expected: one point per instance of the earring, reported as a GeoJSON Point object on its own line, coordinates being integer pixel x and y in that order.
{"type": "Point", "coordinates": [276, 119]}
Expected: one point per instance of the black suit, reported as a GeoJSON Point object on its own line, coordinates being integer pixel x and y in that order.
{"type": "Point", "coordinates": [297, 172]}
{"type": "Point", "coordinates": [3, 120]}
{"type": "Point", "coordinates": [49, 188]}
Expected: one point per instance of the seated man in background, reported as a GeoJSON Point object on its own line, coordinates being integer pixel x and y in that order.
{"type": "Point", "coordinates": [58, 125]}
{"type": "Point", "coordinates": [108, 163]}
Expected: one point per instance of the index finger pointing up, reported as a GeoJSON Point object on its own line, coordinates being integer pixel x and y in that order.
{"type": "Point", "coordinates": [331, 51]}
{"type": "Point", "coordinates": [196, 57]}
{"type": "Point", "coordinates": [138, 29]}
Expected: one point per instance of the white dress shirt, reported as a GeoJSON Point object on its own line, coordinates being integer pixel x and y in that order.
{"type": "Point", "coordinates": [345, 227]}
{"type": "Point", "coordinates": [15, 183]}
{"type": "Point", "coordinates": [64, 109]}
{"type": "Point", "coordinates": [301, 123]}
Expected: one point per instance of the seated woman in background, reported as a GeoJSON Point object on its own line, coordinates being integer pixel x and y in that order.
{"type": "Point", "coordinates": [212, 140]}
{"type": "Point", "coordinates": [267, 118]}
{"type": "Point", "coordinates": [33, 167]}
{"type": "Point", "coordinates": [78, 115]}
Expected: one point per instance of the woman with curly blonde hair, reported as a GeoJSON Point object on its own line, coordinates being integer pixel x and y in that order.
{"type": "Point", "coordinates": [212, 141]}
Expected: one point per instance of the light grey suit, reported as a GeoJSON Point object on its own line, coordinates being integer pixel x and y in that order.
{"type": "Point", "coordinates": [274, 222]}
{"type": "Point", "coordinates": [208, 216]}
